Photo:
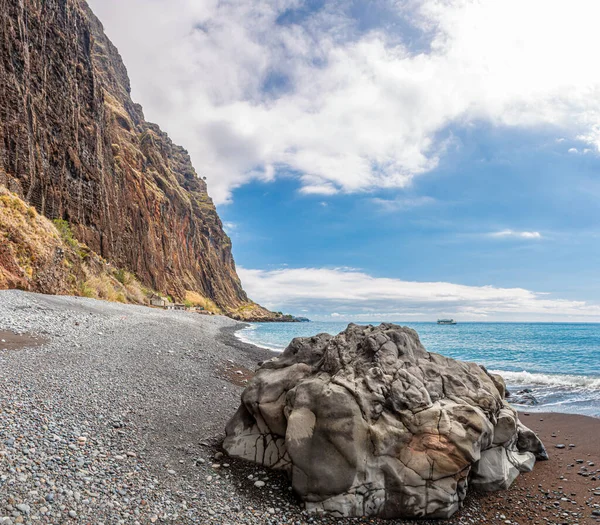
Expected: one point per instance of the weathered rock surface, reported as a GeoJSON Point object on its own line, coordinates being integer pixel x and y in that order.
{"type": "Point", "coordinates": [74, 145]}
{"type": "Point", "coordinates": [524, 397]}
{"type": "Point", "coordinates": [370, 423]}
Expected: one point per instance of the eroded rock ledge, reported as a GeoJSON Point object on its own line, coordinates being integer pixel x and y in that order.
{"type": "Point", "coordinates": [368, 423]}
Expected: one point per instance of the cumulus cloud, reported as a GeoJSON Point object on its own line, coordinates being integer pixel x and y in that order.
{"type": "Point", "coordinates": [515, 234]}
{"type": "Point", "coordinates": [362, 296]}
{"type": "Point", "coordinates": [257, 88]}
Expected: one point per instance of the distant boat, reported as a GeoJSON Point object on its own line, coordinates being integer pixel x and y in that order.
{"type": "Point", "coordinates": [446, 321]}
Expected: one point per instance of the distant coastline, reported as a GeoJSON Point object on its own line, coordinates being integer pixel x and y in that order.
{"type": "Point", "coordinates": [287, 318]}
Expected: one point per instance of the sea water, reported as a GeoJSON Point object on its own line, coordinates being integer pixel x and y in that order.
{"type": "Point", "coordinates": [558, 362]}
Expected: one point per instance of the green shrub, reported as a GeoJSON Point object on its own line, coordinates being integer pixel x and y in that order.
{"type": "Point", "coordinates": [64, 229]}
{"type": "Point", "coordinates": [123, 276]}
{"type": "Point", "coordinates": [87, 291]}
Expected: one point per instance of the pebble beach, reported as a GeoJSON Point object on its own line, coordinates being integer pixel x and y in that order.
{"type": "Point", "coordinates": [114, 414]}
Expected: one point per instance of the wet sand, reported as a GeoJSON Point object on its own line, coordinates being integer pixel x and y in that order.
{"type": "Point", "coordinates": [563, 490]}
{"type": "Point", "coordinates": [12, 341]}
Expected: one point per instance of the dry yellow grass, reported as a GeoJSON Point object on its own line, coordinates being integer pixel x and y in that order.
{"type": "Point", "coordinates": [250, 311]}
{"type": "Point", "coordinates": [27, 240]}
{"type": "Point", "coordinates": [196, 299]}
{"type": "Point", "coordinates": [30, 245]}
{"type": "Point", "coordinates": [118, 286]}
{"type": "Point", "coordinates": [103, 287]}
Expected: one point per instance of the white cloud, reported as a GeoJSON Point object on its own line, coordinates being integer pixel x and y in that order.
{"type": "Point", "coordinates": [401, 204]}
{"type": "Point", "coordinates": [516, 234]}
{"type": "Point", "coordinates": [319, 189]}
{"type": "Point", "coordinates": [346, 111]}
{"type": "Point", "coordinates": [321, 290]}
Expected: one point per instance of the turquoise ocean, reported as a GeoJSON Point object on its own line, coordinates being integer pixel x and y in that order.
{"type": "Point", "coordinates": [556, 364]}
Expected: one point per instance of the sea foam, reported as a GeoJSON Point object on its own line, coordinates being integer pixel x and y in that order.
{"type": "Point", "coordinates": [558, 380]}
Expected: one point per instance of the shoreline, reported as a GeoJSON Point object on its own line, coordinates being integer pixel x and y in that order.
{"type": "Point", "coordinates": [531, 384]}
{"type": "Point", "coordinates": [554, 488]}
{"type": "Point", "coordinates": [556, 491]}
{"type": "Point", "coordinates": [122, 389]}
{"type": "Point", "coordinates": [246, 342]}
{"type": "Point", "coordinates": [227, 335]}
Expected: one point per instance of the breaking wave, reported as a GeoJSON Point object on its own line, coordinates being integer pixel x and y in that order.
{"type": "Point", "coordinates": [557, 380]}
{"type": "Point", "coordinates": [242, 335]}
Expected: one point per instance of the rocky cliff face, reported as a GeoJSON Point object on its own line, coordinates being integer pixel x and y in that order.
{"type": "Point", "coordinates": [75, 146]}
{"type": "Point", "coordinates": [38, 254]}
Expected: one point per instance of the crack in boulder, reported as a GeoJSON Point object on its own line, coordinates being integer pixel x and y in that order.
{"type": "Point", "coordinates": [372, 424]}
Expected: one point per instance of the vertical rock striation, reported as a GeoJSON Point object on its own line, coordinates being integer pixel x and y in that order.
{"type": "Point", "coordinates": [74, 145]}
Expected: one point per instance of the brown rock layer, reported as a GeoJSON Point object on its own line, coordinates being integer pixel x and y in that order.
{"type": "Point", "coordinates": [75, 146]}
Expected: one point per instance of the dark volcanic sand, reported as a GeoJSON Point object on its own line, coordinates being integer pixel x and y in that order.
{"type": "Point", "coordinates": [149, 392]}
{"type": "Point", "coordinates": [537, 497]}
{"type": "Point", "coordinates": [12, 341]}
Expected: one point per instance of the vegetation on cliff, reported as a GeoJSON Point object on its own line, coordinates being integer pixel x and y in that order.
{"type": "Point", "coordinates": [40, 255]}
{"type": "Point", "coordinates": [75, 147]}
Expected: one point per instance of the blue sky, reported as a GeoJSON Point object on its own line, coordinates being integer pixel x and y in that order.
{"type": "Point", "coordinates": [439, 228]}
{"type": "Point", "coordinates": [447, 225]}
{"type": "Point", "coordinates": [388, 159]}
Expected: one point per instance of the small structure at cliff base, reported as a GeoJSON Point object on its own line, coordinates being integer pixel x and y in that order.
{"type": "Point", "coordinates": [157, 300]}
{"type": "Point", "coordinates": [368, 423]}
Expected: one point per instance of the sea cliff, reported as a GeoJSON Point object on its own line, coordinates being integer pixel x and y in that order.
{"type": "Point", "coordinates": [75, 146]}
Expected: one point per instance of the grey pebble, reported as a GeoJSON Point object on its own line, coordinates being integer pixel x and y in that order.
{"type": "Point", "coordinates": [130, 400]}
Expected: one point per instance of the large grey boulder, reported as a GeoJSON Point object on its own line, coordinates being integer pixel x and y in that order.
{"type": "Point", "coordinates": [368, 423]}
